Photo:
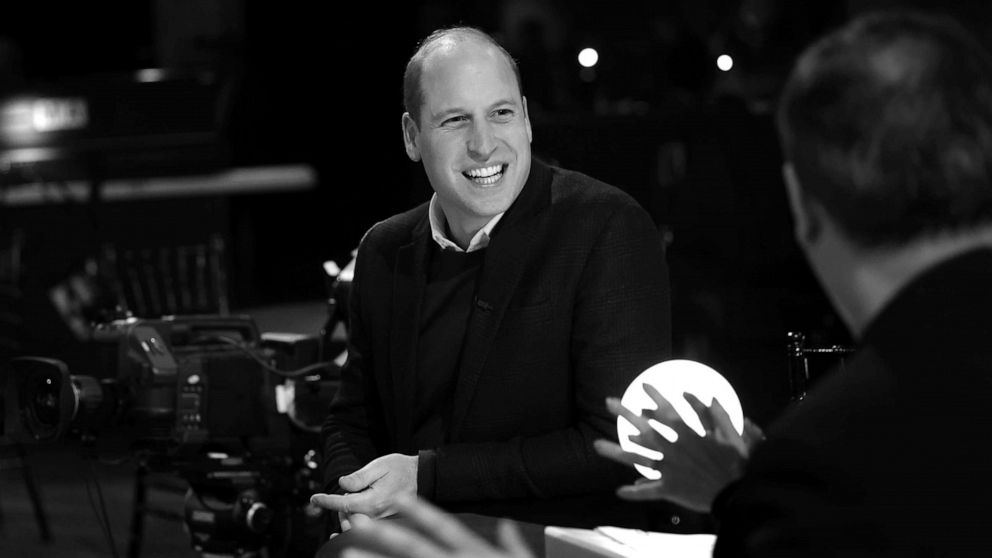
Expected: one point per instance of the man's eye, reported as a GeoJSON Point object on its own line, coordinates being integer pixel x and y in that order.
{"type": "Point", "coordinates": [503, 114]}
{"type": "Point", "coordinates": [454, 120]}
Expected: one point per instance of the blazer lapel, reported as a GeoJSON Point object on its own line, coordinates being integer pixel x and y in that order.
{"type": "Point", "coordinates": [505, 260]}
{"type": "Point", "coordinates": [408, 289]}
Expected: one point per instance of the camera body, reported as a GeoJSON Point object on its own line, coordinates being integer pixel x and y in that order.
{"type": "Point", "coordinates": [177, 383]}
{"type": "Point", "coordinates": [191, 396]}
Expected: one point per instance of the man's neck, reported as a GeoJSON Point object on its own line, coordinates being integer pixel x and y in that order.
{"type": "Point", "coordinates": [462, 235]}
{"type": "Point", "coordinates": [865, 280]}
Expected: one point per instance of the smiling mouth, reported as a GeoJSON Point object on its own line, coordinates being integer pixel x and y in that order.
{"type": "Point", "coordinates": [485, 176]}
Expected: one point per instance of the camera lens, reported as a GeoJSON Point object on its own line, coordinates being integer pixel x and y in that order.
{"type": "Point", "coordinates": [45, 407]}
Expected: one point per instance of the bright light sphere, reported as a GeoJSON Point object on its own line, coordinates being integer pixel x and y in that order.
{"type": "Point", "coordinates": [588, 57]}
{"type": "Point", "coordinates": [672, 378]}
{"type": "Point", "coordinates": [724, 62]}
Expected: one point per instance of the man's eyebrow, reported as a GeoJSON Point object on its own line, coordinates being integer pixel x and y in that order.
{"type": "Point", "coordinates": [448, 112]}
{"type": "Point", "coordinates": [459, 110]}
{"type": "Point", "coordinates": [502, 102]}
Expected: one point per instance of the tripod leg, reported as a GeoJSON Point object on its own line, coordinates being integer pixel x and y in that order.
{"type": "Point", "coordinates": [138, 512]}
{"type": "Point", "coordinates": [39, 510]}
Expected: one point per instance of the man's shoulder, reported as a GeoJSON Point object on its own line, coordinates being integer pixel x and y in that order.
{"type": "Point", "coordinates": [570, 187]}
{"type": "Point", "coordinates": [398, 229]}
{"type": "Point", "coordinates": [579, 196]}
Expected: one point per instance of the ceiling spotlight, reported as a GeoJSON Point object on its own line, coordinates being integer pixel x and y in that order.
{"type": "Point", "coordinates": [588, 57]}
{"type": "Point", "coordinates": [724, 62]}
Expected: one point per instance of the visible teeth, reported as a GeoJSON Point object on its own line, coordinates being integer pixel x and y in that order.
{"type": "Point", "coordinates": [484, 172]}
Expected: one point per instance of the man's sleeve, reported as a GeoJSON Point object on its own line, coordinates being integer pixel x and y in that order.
{"type": "Point", "coordinates": [620, 326]}
{"type": "Point", "coordinates": [791, 502]}
{"type": "Point", "coordinates": [347, 440]}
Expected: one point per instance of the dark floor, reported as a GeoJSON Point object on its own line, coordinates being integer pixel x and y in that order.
{"type": "Point", "coordinates": [63, 475]}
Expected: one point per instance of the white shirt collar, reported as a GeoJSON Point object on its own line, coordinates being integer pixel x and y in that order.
{"type": "Point", "coordinates": [437, 219]}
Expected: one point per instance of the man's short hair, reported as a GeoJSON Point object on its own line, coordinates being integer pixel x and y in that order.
{"type": "Point", "coordinates": [888, 123]}
{"type": "Point", "coordinates": [413, 93]}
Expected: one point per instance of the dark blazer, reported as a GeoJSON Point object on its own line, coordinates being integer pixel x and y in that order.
{"type": "Point", "coordinates": [572, 302]}
{"type": "Point", "coordinates": [889, 456]}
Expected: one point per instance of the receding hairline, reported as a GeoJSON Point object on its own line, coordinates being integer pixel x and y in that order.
{"type": "Point", "coordinates": [448, 40]}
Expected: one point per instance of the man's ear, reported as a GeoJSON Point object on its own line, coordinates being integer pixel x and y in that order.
{"type": "Point", "coordinates": [530, 134]}
{"type": "Point", "coordinates": [807, 218]}
{"type": "Point", "coordinates": [410, 137]}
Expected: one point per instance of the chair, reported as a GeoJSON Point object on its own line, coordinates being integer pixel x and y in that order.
{"type": "Point", "coordinates": [151, 282]}
{"type": "Point", "coordinates": [808, 362]}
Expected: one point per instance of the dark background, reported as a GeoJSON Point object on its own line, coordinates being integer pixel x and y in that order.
{"type": "Point", "coordinates": [320, 84]}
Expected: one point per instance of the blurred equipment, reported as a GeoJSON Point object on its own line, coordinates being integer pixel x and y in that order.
{"type": "Point", "coordinates": [150, 123]}
{"type": "Point", "coordinates": [194, 396]}
{"type": "Point", "coordinates": [12, 456]}
{"type": "Point", "coordinates": [180, 382]}
{"type": "Point", "coordinates": [167, 280]}
{"type": "Point", "coordinates": [808, 362]}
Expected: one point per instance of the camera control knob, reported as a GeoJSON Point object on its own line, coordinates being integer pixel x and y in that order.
{"type": "Point", "coordinates": [259, 517]}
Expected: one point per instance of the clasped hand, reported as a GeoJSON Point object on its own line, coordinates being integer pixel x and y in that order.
{"type": "Point", "coordinates": [373, 490]}
{"type": "Point", "coordinates": [694, 468]}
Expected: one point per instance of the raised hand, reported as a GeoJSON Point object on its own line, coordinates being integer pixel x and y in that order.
{"type": "Point", "coordinates": [694, 468]}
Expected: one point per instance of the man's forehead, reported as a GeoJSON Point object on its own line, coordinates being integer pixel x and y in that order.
{"type": "Point", "coordinates": [458, 62]}
{"type": "Point", "coordinates": [449, 50]}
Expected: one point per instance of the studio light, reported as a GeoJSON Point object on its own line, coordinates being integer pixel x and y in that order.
{"type": "Point", "coordinates": [725, 62]}
{"type": "Point", "coordinates": [588, 57]}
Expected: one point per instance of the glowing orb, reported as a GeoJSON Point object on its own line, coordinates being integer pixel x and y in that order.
{"type": "Point", "coordinates": [672, 378]}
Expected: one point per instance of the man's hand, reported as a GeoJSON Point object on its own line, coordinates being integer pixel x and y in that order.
{"type": "Point", "coordinates": [694, 468]}
{"type": "Point", "coordinates": [374, 489]}
{"type": "Point", "coordinates": [436, 534]}
{"type": "Point", "coordinates": [344, 520]}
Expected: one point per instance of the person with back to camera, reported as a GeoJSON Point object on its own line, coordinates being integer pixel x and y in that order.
{"type": "Point", "coordinates": [886, 126]}
{"type": "Point", "coordinates": [488, 325]}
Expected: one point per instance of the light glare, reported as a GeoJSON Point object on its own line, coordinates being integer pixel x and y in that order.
{"type": "Point", "coordinates": [724, 62]}
{"type": "Point", "coordinates": [588, 57]}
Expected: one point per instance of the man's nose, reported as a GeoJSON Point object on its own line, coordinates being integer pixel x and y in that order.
{"type": "Point", "coordinates": [481, 141]}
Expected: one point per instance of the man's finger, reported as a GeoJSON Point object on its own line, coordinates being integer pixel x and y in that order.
{"type": "Point", "coordinates": [651, 490]}
{"type": "Point", "coordinates": [443, 527]}
{"type": "Point", "coordinates": [639, 422]}
{"type": "Point", "coordinates": [346, 503]}
{"type": "Point", "coordinates": [614, 452]}
{"type": "Point", "coordinates": [508, 534]}
{"type": "Point", "coordinates": [721, 418]}
{"type": "Point", "coordinates": [652, 441]}
{"type": "Point", "coordinates": [357, 481]}
{"type": "Point", "coordinates": [360, 553]}
{"type": "Point", "coordinates": [391, 539]}
{"type": "Point", "coordinates": [665, 412]}
{"type": "Point", "coordinates": [702, 411]}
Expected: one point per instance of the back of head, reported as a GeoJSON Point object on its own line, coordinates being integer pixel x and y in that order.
{"type": "Point", "coordinates": [413, 96]}
{"type": "Point", "coordinates": [888, 123]}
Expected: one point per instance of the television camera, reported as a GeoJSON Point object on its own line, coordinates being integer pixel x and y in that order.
{"type": "Point", "coordinates": [199, 396]}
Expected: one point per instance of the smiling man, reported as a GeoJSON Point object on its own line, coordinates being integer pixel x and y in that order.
{"type": "Point", "coordinates": [489, 324]}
